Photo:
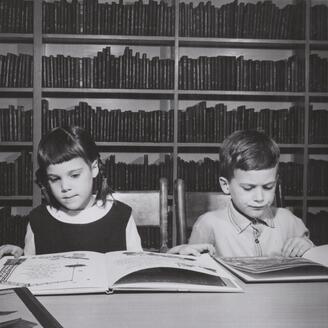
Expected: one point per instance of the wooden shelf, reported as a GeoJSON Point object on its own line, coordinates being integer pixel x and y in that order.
{"type": "Point", "coordinates": [318, 45]}
{"type": "Point", "coordinates": [318, 96]}
{"type": "Point", "coordinates": [16, 92]}
{"type": "Point", "coordinates": [108, 93]}
{"type": "Point", "coordinates": [240, 43]}
{"type": "Point", "coordinates": [207, 147]}
{"type": "Point", "coordinates": [136, 147]}
{"type": "Point", "coordinates": [240, 95]}
{"type": "Point", "coordinates": [16, 38]}
{"type": "Point", "coordinates": [15, 145]}
{"type": "Point", "coordinates": [16, 200]}
{"type": "Point", "coordinates": [108, 39]}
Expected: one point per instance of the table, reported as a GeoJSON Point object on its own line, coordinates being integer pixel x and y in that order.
{"type": "Point", "coordinates": [265, 305]}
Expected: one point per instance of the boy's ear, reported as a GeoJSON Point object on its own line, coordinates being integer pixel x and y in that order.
{"type": "Point", "coordinates": [224, 183]}
{"type": "Point", "coordinates": [95, 168]}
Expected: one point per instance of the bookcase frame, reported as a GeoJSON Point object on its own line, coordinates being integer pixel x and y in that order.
{"type": "Point", "coordinates": [38, 40]}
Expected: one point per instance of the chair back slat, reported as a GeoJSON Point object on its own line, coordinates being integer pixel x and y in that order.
{"type": "Point", "coordinates": [149, 208]}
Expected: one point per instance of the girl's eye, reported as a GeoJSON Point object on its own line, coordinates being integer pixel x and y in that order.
{"type": "Point", "coordinates": [53, 179]}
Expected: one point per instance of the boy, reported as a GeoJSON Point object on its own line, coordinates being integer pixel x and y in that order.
{"type": "Point", "coordinates": [248, 225]}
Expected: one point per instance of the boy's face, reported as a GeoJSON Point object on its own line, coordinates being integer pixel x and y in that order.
{"type": "Point", "coordinates": [251, 191]}
{"type": "Point", "coordinates": [71, 183]}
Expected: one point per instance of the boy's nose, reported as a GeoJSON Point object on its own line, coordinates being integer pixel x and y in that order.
{"type": "Point", "coordinates": [258, 195]}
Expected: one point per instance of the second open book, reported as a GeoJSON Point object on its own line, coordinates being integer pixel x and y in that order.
{"type": "Point", "coordinates": [91, 272]}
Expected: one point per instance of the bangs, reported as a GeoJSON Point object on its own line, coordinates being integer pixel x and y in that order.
{"type": "Point", "coordinates": [59, 147]}
{"type": "Point", "coordinates": [59, 153]}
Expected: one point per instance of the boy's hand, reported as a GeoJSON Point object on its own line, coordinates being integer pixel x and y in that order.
{"type": "Point", "coordinates": [195, 249]}
{"type": "Point", "coordinates": [296, 246]}
{"type": "Point", "coordinates": [10, 250]}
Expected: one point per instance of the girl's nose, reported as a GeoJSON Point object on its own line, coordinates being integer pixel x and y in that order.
{"type": "Point", "coordinates": [64, 185]}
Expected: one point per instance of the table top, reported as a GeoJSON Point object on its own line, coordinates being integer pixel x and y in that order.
{"type": "Point", "coordinates": [293, 304]}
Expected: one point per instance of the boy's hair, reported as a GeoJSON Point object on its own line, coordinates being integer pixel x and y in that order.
{"type": "Point", "coordinates": [61, 145]}
{"type": "Point", "coordinates": [247, 150]}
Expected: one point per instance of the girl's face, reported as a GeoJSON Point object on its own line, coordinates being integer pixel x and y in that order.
{"type": "Point", "coordinates": [71, 183]}
{"type": "Point", "coordinates": [251, 191]}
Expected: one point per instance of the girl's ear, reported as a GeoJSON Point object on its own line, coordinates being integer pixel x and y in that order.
{"type": "Point", "coordinates": [95, 168]}
{"type": "Point", "coordinates": [224, 183]}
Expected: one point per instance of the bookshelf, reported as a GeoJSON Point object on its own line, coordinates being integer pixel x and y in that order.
{"type": "Point", "coordinates": [192, 39]}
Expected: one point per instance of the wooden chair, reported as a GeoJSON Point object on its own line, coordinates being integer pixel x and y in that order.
{"type": "Point", "coordinates": [190, 205]}
{"type": "Point", "coordinates": [150, 211]}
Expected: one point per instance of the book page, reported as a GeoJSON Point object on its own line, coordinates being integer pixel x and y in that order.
{"type": "Point", "coordinates": [159, 270]}
{"type": "Point", "coordinates": [266, 264]}
{"type": "Point", "coordinates": [54, 272]}
{"type": "Point", "coordinates": [318, 254]}
{"type": "Point", "coordinates": [261, 269]}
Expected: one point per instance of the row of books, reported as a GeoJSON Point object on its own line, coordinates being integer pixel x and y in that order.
{"type": "Point", "coordinates": [318, 73]}
{"type": "Point", "coordinates": [317, 223]}
{"type": "Point", "coordinates": [139, 72]}
{"type": "Point", "coordinates": [16, 71]}
{"type": "Point", "coordinates": [94, 17]}
{"type": "Point", "coordinates": [319, 19]}
{"type": "Point", "coordinates": [237, 73]}
{"type": "Point", "coordinates": [16, 16]}
{"type": "Point", "coordinates": [262, 19]}
{"type": "Point", "coordinates": [318, 122]}
{"type": "Point", "coordinates": [16, 123]}
{"type": "Point", "coordinates": [12, 227]}
{"type": "Point", "coordinates": [204, 176]}
{"type": "Point", "coordinates": [240, 20]}
{"type": "Point", "coordinates": [317, 177]}
{"type": "Point", "coordinates": [197, 123]}
{"type": "Point", "coordinates": [137, 176]}
{"type": "Point", "coordinates": [108, 71]}
{"type": "Point", "coordinates": [112, 125]}
{"type": "Point", "coordinates": [17, 176]}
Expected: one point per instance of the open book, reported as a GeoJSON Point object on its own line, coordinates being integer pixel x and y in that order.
{"type": "Point", "coordinates": [262, 269]}
{"type": "Point", "coordinates": [91, 272]}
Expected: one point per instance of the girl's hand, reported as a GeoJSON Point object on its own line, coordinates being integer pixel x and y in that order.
{"type": "Point", "coordinates": [296, 246]}
{"type": "Point", "coordinates": [195, 249]}
{"type": "Point", "coordinates": [10, 250]}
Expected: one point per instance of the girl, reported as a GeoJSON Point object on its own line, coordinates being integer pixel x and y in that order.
{"type": "Point", "coordinates": [73, 218]}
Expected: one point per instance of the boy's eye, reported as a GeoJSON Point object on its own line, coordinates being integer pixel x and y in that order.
{"type": "Point", "coordinates": [75, 175]}
{"type": "Point", "coordinates": [247, 188]}
{"type": "Point", "coordinates": [269, 187]}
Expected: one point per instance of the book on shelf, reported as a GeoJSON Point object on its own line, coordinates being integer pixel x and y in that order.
{"type": "Point", "coordinates": [20, 308]}
{"type": "Point", "coordinates": [82, 272]}
{"type": "Point", "coordinates": [275, 269]}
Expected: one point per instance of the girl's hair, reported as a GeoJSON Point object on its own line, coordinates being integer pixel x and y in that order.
{"type": "Point", "coordinates": [61, 145]}
{"type": "Point", "coordinates": [247, 150]}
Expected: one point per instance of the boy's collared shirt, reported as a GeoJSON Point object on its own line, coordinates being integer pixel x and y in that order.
{"type": "Point", "coordinates": [233, 234]}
